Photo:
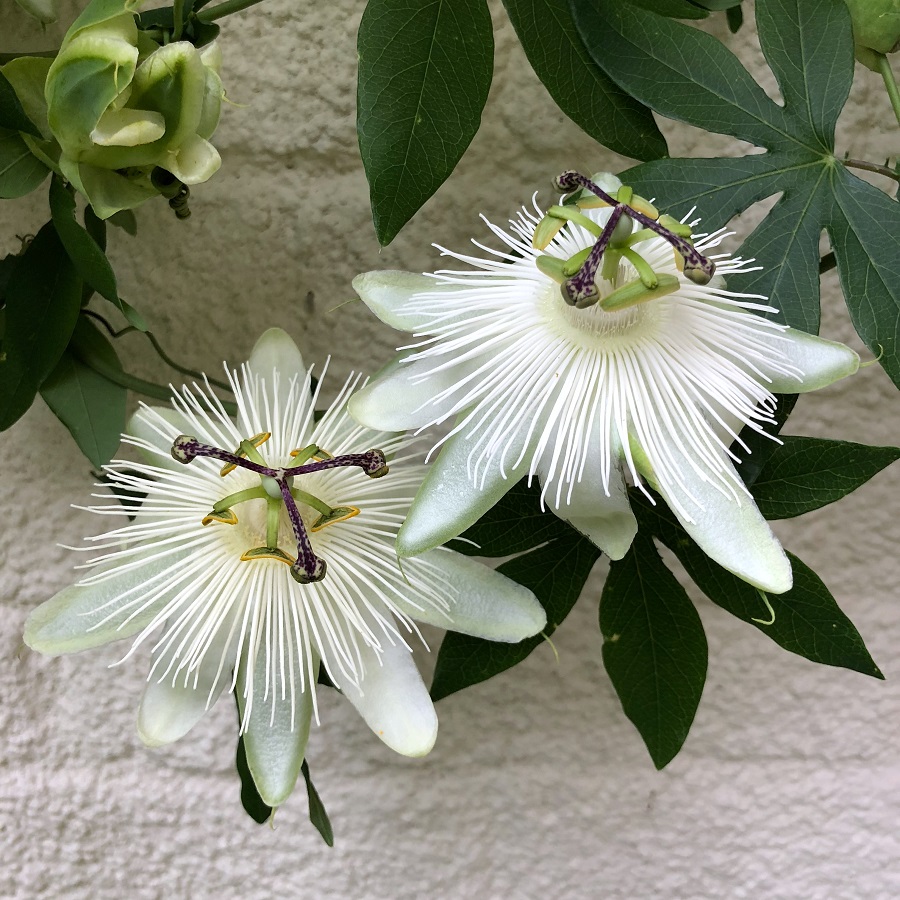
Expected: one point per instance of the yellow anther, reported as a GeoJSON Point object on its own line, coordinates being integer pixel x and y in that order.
{"type": "Point", "coordinates": [546, 230]}
{"type": "Point", "coordinates": [590, 201]}
{"type": "Point", "coordinates": [338, 514]}
{"type": "Point", "coordinates": [624, 194]}
{"type": "Point", "coordinates": [639, 204]}
{"type": "Point", "coordinates": [257, 440]}
{"type": "Point", "coordinates": [267, 553]}
{"type": "Point", "coordinates": [679, 260]}
{"type": "Point", "coordinates": [225, 517]}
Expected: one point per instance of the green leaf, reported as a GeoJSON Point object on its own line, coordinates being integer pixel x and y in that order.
{"type": "Point", "coordinates": [807, 620]}
{"type": "Point", "coordinates": [654, 649]}
{"type": "Point", "coordinates": [678, 71]}
{"type": "Point", "coordinates": [124, 219]}
{"type": "Point", "coordinates": [253, 804]}
{"type": "Point", "coordinates": [92, 408]}
{"type": "Point", "coordinates": [425, 69]}
{"type": "Point", "coordinates": [735, 15]}
{"type": "Point", "coordinates": [581, 89]}
{"type": "Point", "coordinates": [515, 524]}
{"type": "Point", "coordinates": [556, 573]}
{"type": "Point", "coordinates": [43, 298]}
{"type": "Point", "coordinates": [317, 814]}
{"type": "Point", "coordinates": [88, 258]}
{"type": "Point", "coordinates": [12, 115]}
{"type": "Point", "coordinates": [688, 75]}
{"type": "Point", "coordinates": [759, 446]}
{"type": "Point", "coordinates": [20, 170]}
{"type": "Point", "coordinates": [86, 254]}
{"type": "Point", "coordinates": [806, 45]}
{"type": "Point", "coordinates": [673, 9]}
{"type": "Point", "coordinates": [808, 473]}
{"type": "Point", "coordinates": [865, 233]}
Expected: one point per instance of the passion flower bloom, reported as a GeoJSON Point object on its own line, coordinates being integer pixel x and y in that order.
{"type": "Point", "coordinates": [597, 349]}
{"type": "Point", "coordinates": [249, 576]}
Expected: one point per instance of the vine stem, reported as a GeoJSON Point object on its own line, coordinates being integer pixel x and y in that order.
{"type": "Point", "coordinates": [225, 9]}
{"type": "Point", "coordinates": [139, 385]}
{"type": "Point", "coordinates": [178, 19]}
{"type": "Point", "coordinates": [873, 167]}
{"type": "Point", "coordinates": [890, 84]}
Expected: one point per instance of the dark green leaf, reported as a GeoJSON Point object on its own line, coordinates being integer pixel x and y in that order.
{"type": "Point", "coordinates": [654, 648]}
{"type": "Point", "coordinates": [317, 814]}
{"type": "Point", "coordinates": [808, 473]}
{"type": "Point", "coordinates": [126, 220]}
{"type": "Point", "coordinates": [253, 804]}
{"type": "Point", "coordinates": [807, 620]}
{"type": "Point", "coordinates": [735, 15]}
{"type": "Point", "coordinates": [681, 72]}
{"type": "Point", "coordinates": [788, 240]}
{"type": "Point", "coordinates": [865, 234]}
{"type": "Point", "coordinates": [673, 9]}
{"type": "Point", "coordinates": [760, 447]}
{"type": "Point", "coordinates": [556, 573]}
{"type": "Point", "coordinates": [95, 226]}
{"type": "Point", "coordinates": [86, 254]}
{"type": "Point", "coordinates": [20, 170]}
{"type": "Point", "coordinates": [717, 5]}
{"type": "Point", "coordinates": [12, 116]}
{"type": "Point", "coordinates": [581, 89]}
{"type": "Point", "coordinates": [425, 69]}
{"type": "Point", "coordinates": [516, 523]}
{"type": "Point", "coordinates": [809, 48]}
{"type": "Point", "coordinates": [92, 408]}
{"type": "Point", "coordinates": [43, 298]}
{"type": "Point", "coordinates": [7, 265]}
{"type": "Point", "coordinates": [88, 258]}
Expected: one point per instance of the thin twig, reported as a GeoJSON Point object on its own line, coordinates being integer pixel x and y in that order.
{"type": "Point", "coordinates": [873, 167]}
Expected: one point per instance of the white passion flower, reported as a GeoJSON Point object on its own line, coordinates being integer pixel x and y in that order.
{"type": "Point", "coordinates": [596, 350]}
{"type": "Point", "coordinates": [251, 575]}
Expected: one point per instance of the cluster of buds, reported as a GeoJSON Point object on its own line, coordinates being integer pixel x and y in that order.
{"type": "Point", "coordinates": [124, 114]}
{"type": "Point", "coordinates": [615, 241]}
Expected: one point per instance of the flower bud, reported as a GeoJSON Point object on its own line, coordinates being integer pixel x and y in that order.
{"type": "Point", "coordinates": [120, 106]}
{"type": "Point", "coordinates": [876, 28]}
{"type": "Point", "coordinates": [45, 11]}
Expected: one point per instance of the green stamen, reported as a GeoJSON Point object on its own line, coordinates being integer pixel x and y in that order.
{"type": "Point", "coordinates": [254, 493]}
{"type": "Point", "coordinates": [572, 215]}
{"type": "Point", "coordinates": [648, 277]}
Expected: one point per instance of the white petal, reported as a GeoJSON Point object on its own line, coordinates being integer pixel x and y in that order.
{"type": "Point", "coordinates": [78, 617]}
{"type": "Point", "coordinates": [394, 701]}
{"type": "Point", "coordinates": [607, 521]}
{"type": "Point", "coordinates": [488, 605]}
{"type": "Point", "coordinates": [394, 400]}
{"type": "Point", "coordinates": [448, 501]}
{"type": "Point", "coordinates": [277, 731]}
{"type": "Point", "coordinates": [275, 351]}
{"type": "Point", "coordinates": [173, 703]}
{"type": "Point", "coordinates": [194, 162]}
{"type": "Point", "coordinates": [386, 293]}
{"type": "Point", "coordinates": [732, 533]}
{"type": "Point", "coordinates": [822, 362]}
{"type": "Point", "coordinates": [128, 128]}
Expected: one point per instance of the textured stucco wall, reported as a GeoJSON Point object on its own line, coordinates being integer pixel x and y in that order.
{"type": "Point", "coordinates": [789, 784]}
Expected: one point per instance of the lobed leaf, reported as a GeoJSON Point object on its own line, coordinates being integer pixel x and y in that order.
{"type": "Point", "coordinates": [807, 620]}
{"type": "Point", "coordinates": [20, 170]}
{"type": "Point", "coordinates": [425, 68]}
{"type": "Point", "coordinates": [807, 473]}
{"type": "Point", "coordinates": [654, 648]}
{"type": "Point", "coordinates": [580, 88]}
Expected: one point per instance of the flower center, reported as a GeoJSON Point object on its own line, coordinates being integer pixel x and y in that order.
{"type": "Point", "coordinates": [615, 242]}
{"type": "Point", "coordinates": [277, 488]}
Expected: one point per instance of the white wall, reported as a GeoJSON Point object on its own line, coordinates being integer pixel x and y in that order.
{"type": "Point", "coordinates": [789, 784]}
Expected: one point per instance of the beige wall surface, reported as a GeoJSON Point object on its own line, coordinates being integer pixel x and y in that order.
{"type": "Point", "coordinates": [789, 784]}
